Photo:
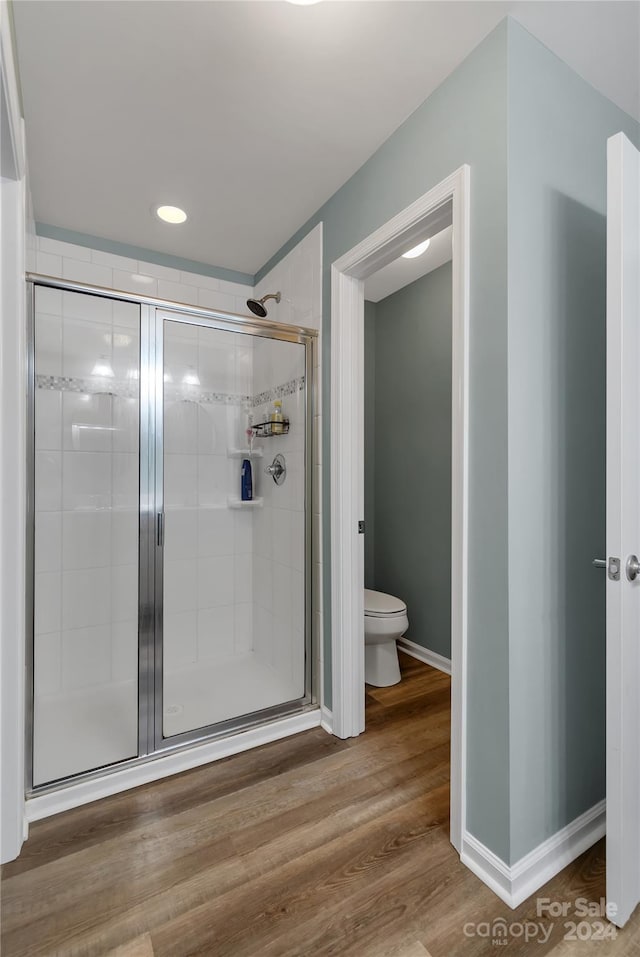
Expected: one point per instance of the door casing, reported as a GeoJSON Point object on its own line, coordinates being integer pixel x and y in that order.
{"type": "Point", "coordinates": [347, 462]}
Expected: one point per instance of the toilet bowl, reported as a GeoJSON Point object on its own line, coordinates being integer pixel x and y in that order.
{"type": "Point", "coordinates": [385, 620]}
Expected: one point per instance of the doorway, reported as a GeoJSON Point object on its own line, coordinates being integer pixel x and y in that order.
{"type": "Point", "coordinates": [447, 202]}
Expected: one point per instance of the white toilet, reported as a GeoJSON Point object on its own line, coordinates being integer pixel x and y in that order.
{"type": "Point", "coordinates": [385, 620]}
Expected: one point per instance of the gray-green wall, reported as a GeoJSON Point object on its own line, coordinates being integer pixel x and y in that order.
{"type": "Point", "coordinates": [557, 140]}
{"type": "Point", "coordinates": [409, 478]}
{"type": "Point", "coordinates": [534, 135]}
{"type": "Point", "coordinates": [463, 121]}
{"type": "Point", "coordinates": [369, 444]}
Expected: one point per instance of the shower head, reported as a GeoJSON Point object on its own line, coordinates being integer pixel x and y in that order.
{"type": "Point", "coordinates": [257, 305]}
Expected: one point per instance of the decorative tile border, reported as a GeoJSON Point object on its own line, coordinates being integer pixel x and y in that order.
{"type": "Point", "coordinates": [288, 388]}
{"type": "Point", "coordinates": [96, 385]}
{"type": "Point", "coordinates": [190, 393]}
{"type": "Point", "coordinates": [128, 388]}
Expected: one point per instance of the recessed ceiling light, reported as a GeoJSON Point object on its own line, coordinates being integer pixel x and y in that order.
{"type": "Point", "coordinates": [171, 214]}
{"type": "Point", "coordinates": [417, 250]}
{"type": "Point", "coordinates": [303, 3]}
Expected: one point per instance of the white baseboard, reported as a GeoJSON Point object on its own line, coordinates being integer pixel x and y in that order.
{"type": "Point", "coordinates": [514, 884]}
{"type": "Point", "coordinates": [423, 654]}
{"type": "Point", "coordinates": [45, 805]}
{"type": "Point", "coordinates": [326, 720]}
{"type": "Point", "coordinates": [486, 865]}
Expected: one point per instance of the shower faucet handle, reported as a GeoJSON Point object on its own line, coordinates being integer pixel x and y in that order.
{"type": "Point", "coordinates": [278, 469]}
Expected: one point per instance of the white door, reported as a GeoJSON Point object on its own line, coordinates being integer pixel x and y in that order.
{"type": "Point", "coordinates": [623, 527]}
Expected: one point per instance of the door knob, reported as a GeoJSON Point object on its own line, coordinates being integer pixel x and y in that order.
{"type": "Point", "coordinates": [632, 567]}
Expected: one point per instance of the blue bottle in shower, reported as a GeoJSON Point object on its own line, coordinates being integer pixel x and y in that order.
{"type": "Point", "coordinates": [246, 483]}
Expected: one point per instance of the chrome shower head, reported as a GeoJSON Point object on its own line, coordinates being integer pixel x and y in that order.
{"type": "Point", "coordinates": [257, 305]}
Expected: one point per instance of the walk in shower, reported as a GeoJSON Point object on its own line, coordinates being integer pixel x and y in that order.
{"type": "Point", "coordinates": [167, 609]}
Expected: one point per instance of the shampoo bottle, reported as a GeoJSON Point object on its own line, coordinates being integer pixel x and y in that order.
{"type": "Point", "coordinates": [277, 418]}
{"type": "Point", "coordinates": [246, 482]}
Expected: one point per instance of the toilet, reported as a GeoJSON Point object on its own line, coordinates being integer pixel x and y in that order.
{"type": "Point", "coordinates": [385, 620]}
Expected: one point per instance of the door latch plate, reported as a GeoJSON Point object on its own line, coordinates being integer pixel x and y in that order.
{"type": "Point", "coordinates": [613, 569]}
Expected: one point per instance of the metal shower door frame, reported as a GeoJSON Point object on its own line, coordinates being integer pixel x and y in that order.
{"type": "Point", "coordinates": [153, 312]}
{"type": "Point", "coordinates": [154, 524]}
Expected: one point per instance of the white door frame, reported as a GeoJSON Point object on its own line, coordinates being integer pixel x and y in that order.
{"type": "Point", "coordinates": [13, 480]}
{"type": "Point", "coordinates": [347, 464]}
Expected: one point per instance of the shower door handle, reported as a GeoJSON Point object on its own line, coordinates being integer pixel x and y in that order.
{"type": "Point", "coordinates": [160, 529]}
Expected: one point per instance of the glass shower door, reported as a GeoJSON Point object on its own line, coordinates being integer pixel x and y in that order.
{"type": "Point", "coordinates": [85, 650]}
{"type": "Point", "coordinates": [231, 578]}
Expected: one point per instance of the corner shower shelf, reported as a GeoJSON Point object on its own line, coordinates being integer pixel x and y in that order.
{"type": "Point", "coordinates": [238, 503]}
{"type": "Point", "coordinates": [245, 453]}
{"type": "Point", "coordinates": [268, 429]}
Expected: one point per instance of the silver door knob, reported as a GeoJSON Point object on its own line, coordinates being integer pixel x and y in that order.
{"type": "Point", "coordinates": [632, 567]}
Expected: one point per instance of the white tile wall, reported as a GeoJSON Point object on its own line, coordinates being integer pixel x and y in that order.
{"type": "Point", "coordinates": [216, 532]}
{"type": "Point", "coordinates": [216, 632]}
{"type": "Point", "coordinates": [86, 598]}
{"type": "Point", "coordinates": [47, 671]}
{"type": "Point", "coordinates": [86, 657]}
{"type": "Point", "coordinates": [86, 539]}
{"type": "Point", "coordinates": [86, 497]}
{"type": "Point", "coordinates": [279, 527]}
{"type": "Point", "coordinates": [243, 635]}
{"type": "Point", "coordinates": [298, 277]}
{"type": "Point", "coordinates": [180, 638]}
{"type": "Point", "coordinates": [48, 484]}
{"type": "Point", "coordinates": [51, 257]}
{"type": "Point", "coordinates": [208, 591]}
{"type": "Point", "coordinates": [124, 650]}
{"type": "Point", "coordinates": [48, 606]}
{"type": "Point", "coordinates": [47, 542]}
{"type": "Point", "coordinates": [213, 546]}
{"type": "Point", "coordinates": [31, 240]}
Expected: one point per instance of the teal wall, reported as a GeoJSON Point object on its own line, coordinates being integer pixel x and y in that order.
{"type": "Point", "coordinates": [534, 135]}
{"type": "Point", "coordinates": [369, 443]}
{"type": "Point", "coordinates": [463, 121]}
{"type": "Point", "coordinates": [557, 133]}
{"type": "Point", "coordinates": [412, 458]}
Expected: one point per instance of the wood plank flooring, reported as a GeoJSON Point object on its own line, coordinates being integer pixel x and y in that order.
{"type": "Point", "coordinates": [307, 846]}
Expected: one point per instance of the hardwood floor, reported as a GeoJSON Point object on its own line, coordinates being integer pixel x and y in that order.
{"type": "Point", "coordinates": [307, 846]}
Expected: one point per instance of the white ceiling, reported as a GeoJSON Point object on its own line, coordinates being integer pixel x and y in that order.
{"type": "Point", "coordinates": [251, 114]}
{"type": "Point", "coordinates": [401, 272]}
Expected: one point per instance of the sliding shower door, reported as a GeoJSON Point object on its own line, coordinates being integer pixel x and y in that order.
{"type": "Point", "coordinates": [231, 572]}
{"type": "Point", "coordinates": [86, 415]}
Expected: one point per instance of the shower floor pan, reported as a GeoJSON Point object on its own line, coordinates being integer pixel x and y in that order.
{"type": "Point", "coordinates": [96, 727]}
{"type": "Point", "coordinates": [203, 694]}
